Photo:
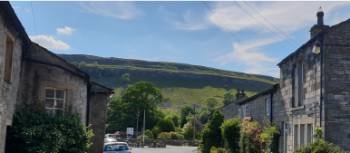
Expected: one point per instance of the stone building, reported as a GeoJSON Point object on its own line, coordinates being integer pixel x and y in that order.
{"type": "Point", "coordinates": [29, 73]}
{"type": "Point", "coordinates": [303, 102]}
{"type": "Point", "coordinates": [13, 42]}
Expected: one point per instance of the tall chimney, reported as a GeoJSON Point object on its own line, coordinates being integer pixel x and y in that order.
{"type": "Point", "coordinates": [319, 27]}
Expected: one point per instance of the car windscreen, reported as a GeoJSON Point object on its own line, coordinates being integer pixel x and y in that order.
{"type": "Point", "coordinates": [116, 147]}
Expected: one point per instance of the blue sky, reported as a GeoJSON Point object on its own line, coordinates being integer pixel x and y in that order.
{"type": "Point", "coordinates": [240, 36]}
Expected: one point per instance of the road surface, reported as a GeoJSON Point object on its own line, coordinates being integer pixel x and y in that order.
{"type": "Point", "coordinates": [168, 149]}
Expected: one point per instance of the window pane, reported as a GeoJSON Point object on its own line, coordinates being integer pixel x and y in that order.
{"type": "Point", "coordinates": [309, 133]}
{"type": "Point", "coordinates": [60, 94]}
{"type": "Point", "coordinates": [302, 135]}
{"type": "Point", "coordinates": [59, 104]}
{"type": "Point", "coordinates": [296, 136]}
{"type": "Point", "coordinates": [49, 103]}
{"type": "Point", "coordinates": [49, 93]}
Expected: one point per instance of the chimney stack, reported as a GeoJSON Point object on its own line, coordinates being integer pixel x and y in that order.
{"type": "Point", "coordinates": [319, 27]}
{"type": "Point", "coordinates": [240, 94]}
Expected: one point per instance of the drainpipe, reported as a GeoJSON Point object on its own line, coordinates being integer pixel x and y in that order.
{"type": "Point", "coordinates": [321, 79]}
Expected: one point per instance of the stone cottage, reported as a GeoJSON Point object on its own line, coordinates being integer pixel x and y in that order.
{"type": "Point", "coordinates": [314, 90]}
{"type": "Point", "coordinates": [32, 74]}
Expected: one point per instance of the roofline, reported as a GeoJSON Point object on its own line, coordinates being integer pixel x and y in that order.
{"type": "Point", "coordinates": [11, 14]}
{"type": "Point", "coordinates": [246, 100]}
{"type": "Point", "coordinates": [102, 86]}
{"type": "Point", "coordinates": [312, 40]}
{"type": "Point", "coordinates": [63, 60]}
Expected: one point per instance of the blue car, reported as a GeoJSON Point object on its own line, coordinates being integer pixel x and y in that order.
{"type": "Point", "coordinates": [116, 147]}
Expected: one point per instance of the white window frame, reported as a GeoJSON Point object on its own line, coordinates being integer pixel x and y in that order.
{"type": "Point", "coordinates": [54, 109]}
{"type": "Point", "coordinates": [300, 134]}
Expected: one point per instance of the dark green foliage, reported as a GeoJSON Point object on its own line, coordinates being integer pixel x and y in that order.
{"type": "Point", "coordinates": [185, 112]}
{"type": "Point", "coordinates": [211, 135]}
{"type": "Point", "coordinates": [137, 98]}
{"type": "Point", "coordinates": [204, 116]}
{"type": "Point", "coordinates": [166, 125]}
{"type": "Point", "coordinates": [175, 119]}
{"type": "Point", "coordinates": [270, 139]}
{"type": "Point", "coordinates": [34, 131]}
{"type": "Point", "coordinates": [320, 145]}
{"type": "Point", "coordinates": [212, 103]}
{"type": "Point", "coordinates": [231, 134]}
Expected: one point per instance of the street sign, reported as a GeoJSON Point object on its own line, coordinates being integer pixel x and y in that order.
{"type": "Point", "coordinates": [130, 131]}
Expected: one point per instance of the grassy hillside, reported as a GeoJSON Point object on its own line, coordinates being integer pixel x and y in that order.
{"type": "Point", "coordinates": [180, 83]}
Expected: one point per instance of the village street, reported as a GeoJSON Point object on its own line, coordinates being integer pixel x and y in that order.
{"type": "Point", "coordinates": [168, 149]}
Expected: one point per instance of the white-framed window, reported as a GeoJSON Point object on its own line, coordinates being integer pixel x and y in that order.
{"type": "Point", "coordinates": [54, 100]}
{"type": "Point", "coordinates": [267, 106]}
{"type": "Point", "coordinates": [302, 135]}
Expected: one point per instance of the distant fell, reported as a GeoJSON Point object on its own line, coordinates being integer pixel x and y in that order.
{"type": "Point", "coordinates": [180, 83]}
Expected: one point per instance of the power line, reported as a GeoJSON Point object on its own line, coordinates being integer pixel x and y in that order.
{"type": "Point", "coordinates": [266, 20]}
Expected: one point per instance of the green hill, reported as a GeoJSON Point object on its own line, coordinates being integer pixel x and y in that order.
{"type": "Point", "coordinates": [180, 83]}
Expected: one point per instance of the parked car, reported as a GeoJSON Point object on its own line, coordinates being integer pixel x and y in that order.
{"type": "Point", "coordinates": [116, 147]}
{"type": "Point", "coordinates": [110, 139]}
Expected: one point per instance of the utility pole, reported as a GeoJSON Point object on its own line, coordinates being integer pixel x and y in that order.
{"type": "Point", "coordinates": [144, 126]}
{"type": "Point", "coordinates": [137, 123]}
{"type": "Point", "coordinates": [194, 122]}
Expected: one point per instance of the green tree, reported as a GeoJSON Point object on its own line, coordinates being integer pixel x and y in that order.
{"type": "Point", "coordinates": [211, 136]}
{"type": "Point", "coordinates": [125, 80]}
{"type": "Point", "coordinates": [139, 98]}
{"type": "Point", "coordinates": [175, 118]}
{"type": "Point", "coordinates": [211, 103]}
{"type": "Point", "coordinates": [231, 134]}
{"type": "Point", "coordinates": [166, 125]}
{"type": "Point", "coordinates": [185, 112]}
{"type": "Point", "coordinates": [228, 98]}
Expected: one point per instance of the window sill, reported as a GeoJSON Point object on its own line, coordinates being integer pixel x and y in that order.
{"type": "Point", "coordinates": [298, 108]}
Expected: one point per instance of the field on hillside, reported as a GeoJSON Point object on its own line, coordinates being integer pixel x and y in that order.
{"type": "Point", "coordinates": [180, 84]}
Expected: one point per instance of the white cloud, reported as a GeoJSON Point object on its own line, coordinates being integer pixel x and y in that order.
{"type": "Point", "coordinates": [119, 10]}
{"type": "Point", "coordinates": [286, 17]}
{"type": "Point", "coordinates": [50, 42]}
{"type": "Point", "coordinates": [190, 21]}
{"type": "Point", "coordinates": [65, 30]}
{"type": "Point", "coordinates": [249, 55]}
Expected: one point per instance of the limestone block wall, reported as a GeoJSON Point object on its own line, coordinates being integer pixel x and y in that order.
{"type": "Point", "coordinates": [8, 91]}
{"type": "Point", "coordinates": [337, 85]}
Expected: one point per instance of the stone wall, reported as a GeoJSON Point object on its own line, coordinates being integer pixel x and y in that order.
{"type": "Point", "coordinates": [97, 116]}
{"type": "Point", "coordinates": [337, 85]}
{"type": "Point", "coordinates": [231, 110]}
{"type": "Point", "coordinates": [8, 91]}
{"type": "Point", "coordinates": [43, 70]}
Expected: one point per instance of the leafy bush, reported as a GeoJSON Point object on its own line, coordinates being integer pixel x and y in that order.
{"type": "Point", "coordinates": [166, 125]}
{"type": "Point", "coordinates": [155, 132]}
{"type": "Point", "coordinates": [34, 131]}
{"type": "Point", "coordinates": [170, 136]}
{"type": "Point", "coordinates": [231, 134]}
{"type": "Point", "coordinates": [320, 145]}
{"type": "Point", "coordinates": [269, 138]}
{"type": "Point", "coordinates": [250, 137]}
{"type": "Point", "coordinates": [217, 150]}
{"type": "Point", "coordinates": [211, 136]}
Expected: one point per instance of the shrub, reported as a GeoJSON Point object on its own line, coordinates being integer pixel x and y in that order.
{"type": "Point", "coordinates": [217, 150]}
{"type": "Point", "coordinates": [155, 132]}
{"type": "Point", "coordinates": [269, 138]}
{"type": "Point", "coordinates": [211, 136]}
{"type": "Point", "coordinates": [34, 131]}
{"type": "Point", "coordinates": [320, 145]}
{"type": "Point", "coordinates": [166, 125]}
{"type": "Point", "coordinates": [231, 134]}
{"type": "Point", "coordinates": [170, 135]}
{"type": "Point", "coordinates": [250, 137]}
